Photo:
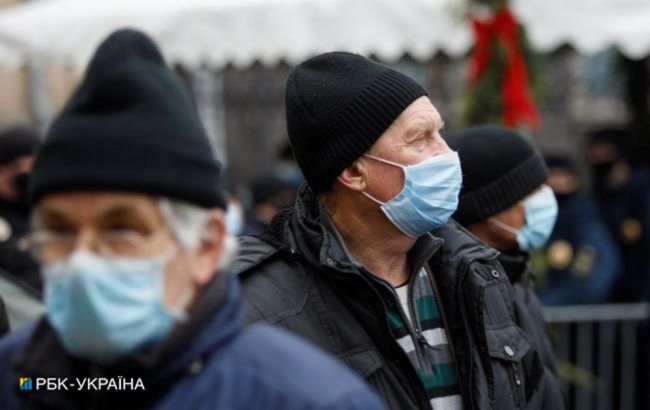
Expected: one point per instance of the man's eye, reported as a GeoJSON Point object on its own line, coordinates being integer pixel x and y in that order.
{"type": "Point", "coordinates": [60, 230]}
{"type": "Point", "coordinates": [421, 140]}
{"type": "Point", "coordinates": [120, 227]}
{"type": "Point", "coordinates": [121, 232]}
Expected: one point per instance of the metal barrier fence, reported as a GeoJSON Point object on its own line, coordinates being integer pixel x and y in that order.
{"type": "Point", "coordinates": [597, 347]}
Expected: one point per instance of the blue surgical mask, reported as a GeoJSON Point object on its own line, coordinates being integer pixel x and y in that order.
{"type": "Point", "coordinates": [235, 219]}
{"type": "Point", "coordinates": [429, 196]}
{"type": "Point", "coordinates": [103, 309]}
{"type": "Point", "coordinates": [540, 210]}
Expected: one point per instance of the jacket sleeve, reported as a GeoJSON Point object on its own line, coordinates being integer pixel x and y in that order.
{"type": "Point", "coordinates": [359, 400]}
{"type": "Point", "coordinates": [542, 384]}
{"type": "Point", "coordinates": [10, 346]}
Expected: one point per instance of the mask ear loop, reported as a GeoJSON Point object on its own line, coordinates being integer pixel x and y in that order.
{"type": "Point", "coordinates": [373, 198]}
{"type": "Point", "coordinates": [387, 162]}
{"type": "Point", "coordinates": [384, 160]}
{"type": "Point", "coordinates": [178, 310]}
{"type": "Point", "coordinates": [503, 226]}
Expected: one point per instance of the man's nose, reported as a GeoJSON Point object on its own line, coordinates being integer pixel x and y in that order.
{"type": "Point", "coordinates": [86, 241]}
{"type": "Point", "coordinates": [444, 148]}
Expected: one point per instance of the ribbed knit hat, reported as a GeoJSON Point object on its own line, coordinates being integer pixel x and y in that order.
{"type": "Point", "coordinates": [338, 104]}
{"type": "Point", "coordinates": [130, 126]}
{"type": "Point", "coordinates": [500, 168]}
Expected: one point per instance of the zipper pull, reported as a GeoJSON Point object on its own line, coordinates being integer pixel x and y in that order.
{"type": "Point", "coordinates": [424, 342]}
{"type": "Point", "coordinates": [419, 336]}
{"type": "Point", "coordinates": [517, 379]}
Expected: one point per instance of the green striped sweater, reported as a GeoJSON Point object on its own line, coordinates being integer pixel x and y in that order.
{"type": "Point", "coordinates": [426, 342]}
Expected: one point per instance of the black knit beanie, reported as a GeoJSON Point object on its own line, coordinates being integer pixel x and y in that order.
{"type": "Point", "coordinates": [338, 104]}
{"type": "Point", "coordinates": [500, 168]}
{"type": "Point", "coordinates": [130, 126]}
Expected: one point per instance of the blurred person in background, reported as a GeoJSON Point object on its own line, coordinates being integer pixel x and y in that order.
{"type": "Point", "coordinates": [582, 259]}
{"type": "Point", "coordinates": [129, 227]}
{"type": "Point", "coordinates": [235, 215]}
{"type": "Point", "coordinates": [505, 203]}
{"type": "Point", "coordinates": [270, 194]}
{"type": "Point", "coordinates": [235, 210]}
{"type": "Point", "coordinates": [623, 192]}
{"type": "Point", "coordinates": [286, 168]}
{"type": "Point", "coordinates": [18, 148]}
{"type": "Point", "coordinates": [22, 303]}
{"type": "Point", "coordinates": [367, 263]}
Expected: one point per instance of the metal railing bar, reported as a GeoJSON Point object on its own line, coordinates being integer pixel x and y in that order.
{"type": "Point", "coordinates": [583, 361]}
{"type": "Point", "coordinates": [606, 352]}
{"type": "Point", "coordinates": [628, 365]}
{"type": "Point", "coordinates": [597, 313]}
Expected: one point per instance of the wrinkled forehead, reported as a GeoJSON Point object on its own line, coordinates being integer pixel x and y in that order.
{"type": "Point", "coordinates": [95, 206]}
{"type": "Point", "coordinates": [420, 117]}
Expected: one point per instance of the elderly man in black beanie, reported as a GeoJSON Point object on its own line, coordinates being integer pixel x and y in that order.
{"type": "Point", "coordinates": [18, 148]}
{"type": "Point", "coordinates": [506, 204]}
{"type": "Point", "coordinates": [367, 263]}
{"type": "Point", "coordinates": [129, 227]}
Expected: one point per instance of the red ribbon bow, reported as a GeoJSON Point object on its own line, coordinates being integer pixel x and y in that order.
{"type": "Point", "coordinates": [518, 104]}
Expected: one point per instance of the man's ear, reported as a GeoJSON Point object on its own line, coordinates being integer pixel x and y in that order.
{"type": "Point", "coordinates": [211, 248]}
{"type": "Point", "coordinates": [354, 176]}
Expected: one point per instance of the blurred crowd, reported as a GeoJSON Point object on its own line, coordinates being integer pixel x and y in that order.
{"type": "Point", "coordinates": [598, 251]}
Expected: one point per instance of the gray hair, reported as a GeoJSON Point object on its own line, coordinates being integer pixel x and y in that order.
{"type": "Point", "coordinates": [187, 222]}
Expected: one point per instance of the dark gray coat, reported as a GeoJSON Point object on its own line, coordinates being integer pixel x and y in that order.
{"type": "Point", "coordinates": [298, 276]}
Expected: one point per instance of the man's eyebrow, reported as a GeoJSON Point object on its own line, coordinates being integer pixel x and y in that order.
{"type": "Point", "coordinates": [442, 124]}
{"type": "Point", "coordinates": [418, 128]}
{"type": "Point", "coordinates": [52, 215]}
{"type": "Point", "coordinates": [125, 213]}
{"type": "Point", "coordinates": [119, 211]}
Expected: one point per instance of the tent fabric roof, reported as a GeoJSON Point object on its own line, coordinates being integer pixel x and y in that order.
{"type": "Point", "coordinates": [241, 32]}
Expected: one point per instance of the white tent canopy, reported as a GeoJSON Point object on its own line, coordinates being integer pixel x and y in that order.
{"type": "Point", "coordinates": [588, 25]}
{"type": "Point", "coordinates": [238, 32]}
{"type": "Point", "coordinates": [241, 32]}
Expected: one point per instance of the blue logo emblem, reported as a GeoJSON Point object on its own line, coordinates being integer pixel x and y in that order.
{"type": "Point", "coordinates": [25, 383]}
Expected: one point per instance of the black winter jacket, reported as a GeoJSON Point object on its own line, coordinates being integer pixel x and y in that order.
{"type": "Point", "coordinates": [299, 276]}
{"type": "Point", "coordinates": [529, 315]}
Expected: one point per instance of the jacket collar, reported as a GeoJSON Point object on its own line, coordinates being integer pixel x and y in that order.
{"type": "Point", "coordinates": [461, 246]}
{"type": "Point", "coordinates": [313, 234]}
{"type": "Point", "coordinates": [303, 230]}
{"type": "Point", "coordinates": [515, 264]}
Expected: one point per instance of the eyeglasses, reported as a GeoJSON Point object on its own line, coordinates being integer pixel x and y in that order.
{"type": "Point", "coordinates": [49, 247]}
